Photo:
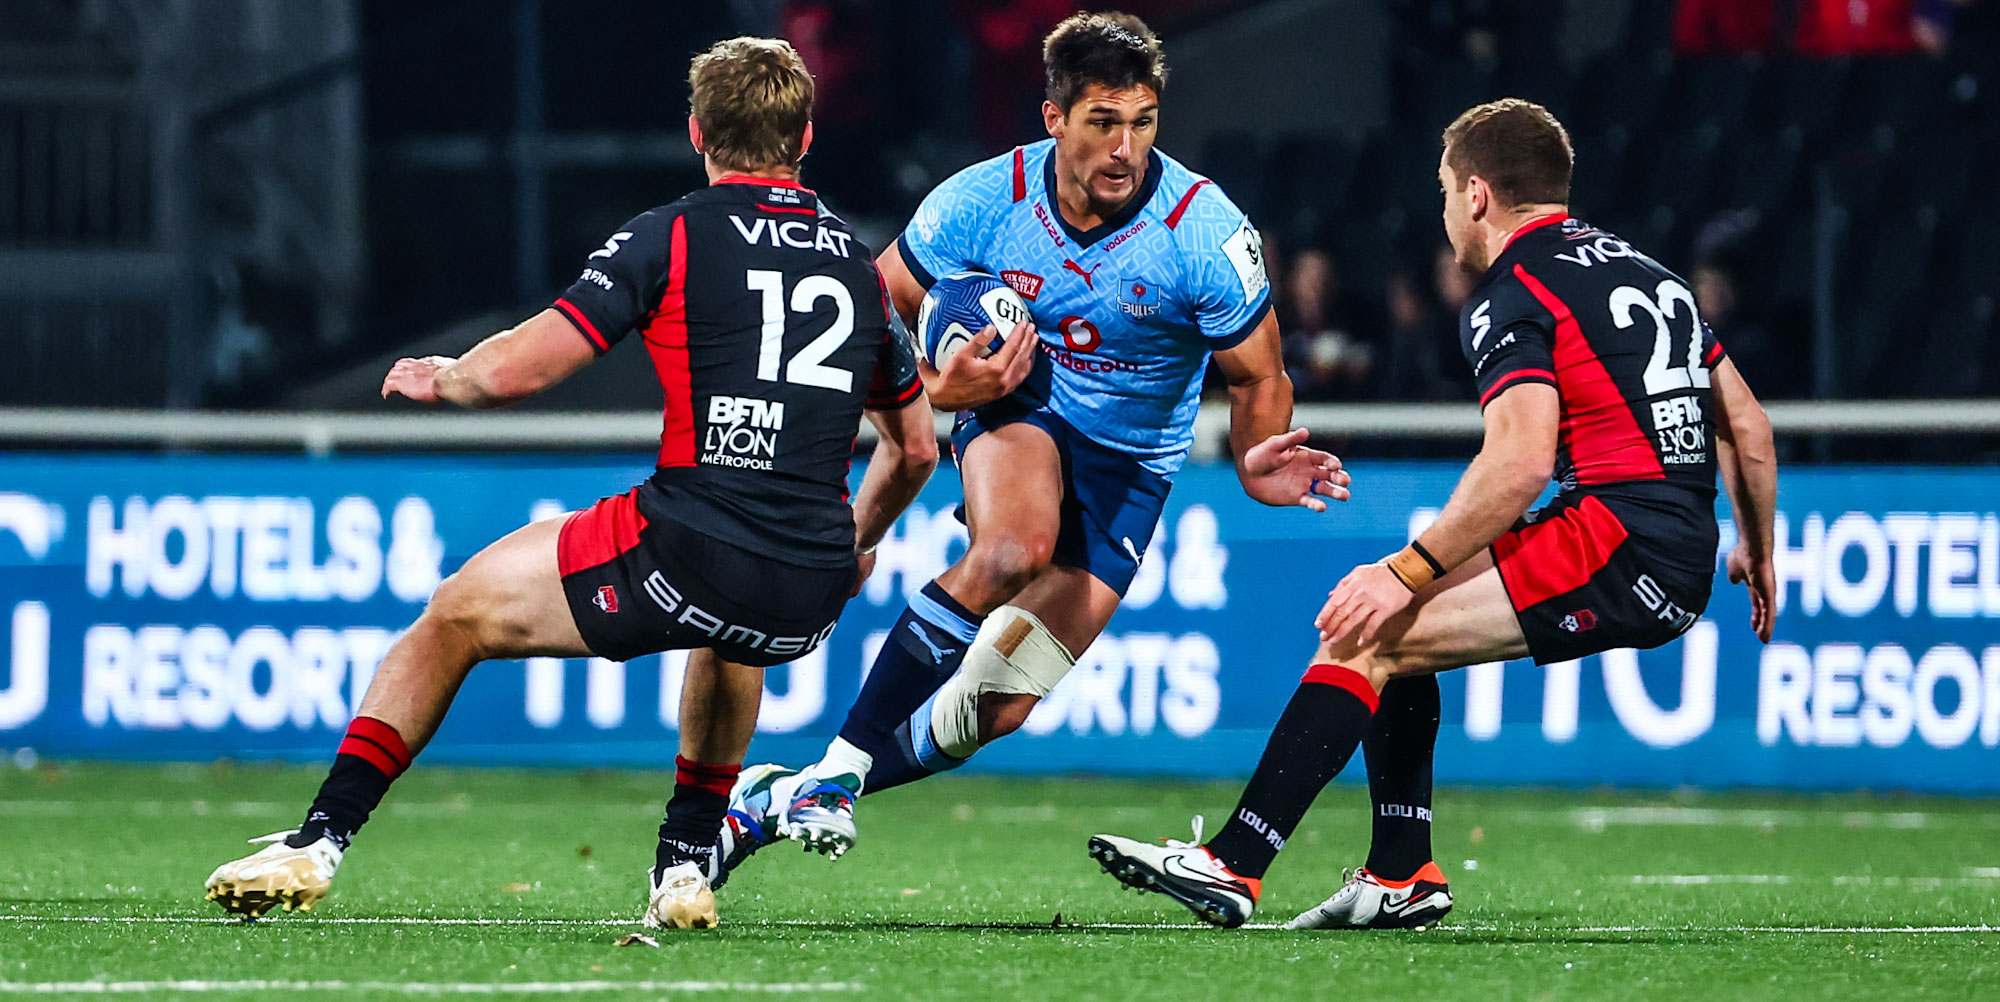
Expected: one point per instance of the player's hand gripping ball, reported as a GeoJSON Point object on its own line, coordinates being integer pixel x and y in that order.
{"type": "Point", "coordinates": [958, 307]}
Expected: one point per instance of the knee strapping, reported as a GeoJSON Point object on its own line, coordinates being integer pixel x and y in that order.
{"type": "Point", "coordinates": [1013, 653]}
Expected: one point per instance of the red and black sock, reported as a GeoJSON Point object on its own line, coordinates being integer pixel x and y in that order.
{"type": "Point", "coordinates": [1315, 737]}
{"type": "Point", "coordinates": [371, 756]}
{"type": "Point", "coordinates": [694, 815]}
{"type": "Point", "coordinates": [1399, 749]}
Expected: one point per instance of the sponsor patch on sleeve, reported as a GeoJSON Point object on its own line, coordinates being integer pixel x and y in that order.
{"type": "Point", "coordinates": [1245, 250]}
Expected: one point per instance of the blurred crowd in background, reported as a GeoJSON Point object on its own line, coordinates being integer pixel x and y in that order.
{"type": "Point", "coordinates": [295, 191]}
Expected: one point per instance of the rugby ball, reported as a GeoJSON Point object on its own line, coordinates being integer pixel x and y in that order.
{"type": "Point", "coordinates": [958, 306]}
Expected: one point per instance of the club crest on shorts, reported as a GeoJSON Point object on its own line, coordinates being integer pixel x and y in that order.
{"type": "Point", "coordinates": [1580, 621]}
{"type": "Point", "coordinates": [1138, 298]}
{"type": "Point", "coordinates": [606, 598]}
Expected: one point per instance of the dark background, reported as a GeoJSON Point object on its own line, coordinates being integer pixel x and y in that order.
{"type": "Point", "coordinates": [255, 205]}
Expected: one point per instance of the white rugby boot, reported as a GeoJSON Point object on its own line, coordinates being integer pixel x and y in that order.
{"type": "Point", "coordinates": [1369, 902]}
{"type": "Point", "coordinates": [680, 899]}
{"type": "Point", "coordinates": [756, 805]}
{"type": "Point", "coordinates": [276, 876]}
{"type": "Point", "coordinates": [1184, 871]}
{"type": "Point", "coordinates": [818, 812]}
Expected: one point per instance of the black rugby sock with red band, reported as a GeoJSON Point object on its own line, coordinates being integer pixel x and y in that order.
{"type": "Point", "coordinates": [1399, 749]}
{"type": "Point", "coordinates": [694, 815]}
{"type": "Point", "coordinates": [371, 756]}
{"type": "Point", "coordinates": [1315, 737]}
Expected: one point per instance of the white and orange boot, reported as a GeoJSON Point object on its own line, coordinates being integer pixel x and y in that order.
{"type": "Point", "coordinates": [1370, 902]}
{"type": "Point", "coordinates": [1184, 871]}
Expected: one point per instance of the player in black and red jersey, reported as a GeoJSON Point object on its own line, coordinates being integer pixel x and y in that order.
{"type": "Point", "coordinates": [1593, 367]}
{"type": "Point", "coordinates": [769, 327]}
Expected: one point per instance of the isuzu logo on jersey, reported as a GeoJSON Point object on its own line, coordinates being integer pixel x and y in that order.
{"type": "Point", "coordinates": [742, 432]}
{"type": "Point", "coordinates": [1138, 298]}
{"type": "Point", "coordinates": [1027, 283]}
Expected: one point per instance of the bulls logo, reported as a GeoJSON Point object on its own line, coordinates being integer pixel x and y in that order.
{"type": "Point", "coordinates": [606, 598]}
{"type": "Point", "coordinates": [1138, 298]}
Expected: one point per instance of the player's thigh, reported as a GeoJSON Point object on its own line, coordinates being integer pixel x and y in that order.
{"type": "Point", "coordinates": [1013, 488]}
{"type": "Point", "coordinates": [509, 597]}
{"type": "Point", "coordinates": [1464, 619]}
{"type": "Point", "coordinates": [1072, 603]}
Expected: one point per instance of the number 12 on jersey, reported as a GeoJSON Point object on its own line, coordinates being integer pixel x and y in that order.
{"type": "Point", "coordinates": [806, 368]}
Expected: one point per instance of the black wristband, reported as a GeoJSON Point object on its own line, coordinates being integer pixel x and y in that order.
{"type": "Point", "coordinates": [1436, 568]}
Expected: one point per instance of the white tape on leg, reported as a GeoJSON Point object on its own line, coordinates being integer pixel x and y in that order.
{"type": "Point", "coordinates": [1013, 653]}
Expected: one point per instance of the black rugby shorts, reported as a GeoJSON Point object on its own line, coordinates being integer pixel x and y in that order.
{"type": "Point", "coordinates": [1588, 574]}
{"type": "Point", "coordinates": [640, 587]}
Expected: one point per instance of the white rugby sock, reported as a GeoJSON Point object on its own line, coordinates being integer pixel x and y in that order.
{"type": "Point", "coordinates": [842, 757]}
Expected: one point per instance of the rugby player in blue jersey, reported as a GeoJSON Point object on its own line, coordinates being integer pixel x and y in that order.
{"type": "Point", "coordinates": [1136, 271]}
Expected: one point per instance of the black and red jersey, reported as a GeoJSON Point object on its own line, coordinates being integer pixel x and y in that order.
{"type": "Point", "coordinates": [1619, 338]}
{"type": "Point", "coordinates": [770, 331]}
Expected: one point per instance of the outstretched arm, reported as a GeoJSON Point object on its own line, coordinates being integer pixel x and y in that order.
{"type": "Point", "coordinates": [1748, 463]}
{"type": "Point", "coordinates": [512, 365]}
{"type": "Point", "coordinates": [1271, 458]}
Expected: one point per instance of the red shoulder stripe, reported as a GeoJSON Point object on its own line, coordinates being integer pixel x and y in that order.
{"type": "Point", "coordinates": [1020, 173]}
{"type": "Point", "coordinates": [568, 309]}
{"type": "Point", "coordinates": [1516, 377]}
{"type": "Point", "coordinates": [1174, 217]}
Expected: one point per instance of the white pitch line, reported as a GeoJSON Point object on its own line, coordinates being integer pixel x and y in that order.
{"type": "Point", "coordinates": [1710, 878]}
{"type": "Point", "coordinates": [535, 922]}
{"type": "Point", "coordinates": [1795, 930]}
{"type": "Point", "coordinates": [1840, 880]}
{"type": "Point", "coordinates": [1599, 818]}
{"type": "Point", "coordinates": [417, 987]}
{"type": "Point", "coordinates": [1025, 926]}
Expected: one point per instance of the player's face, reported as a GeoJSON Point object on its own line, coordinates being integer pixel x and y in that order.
{"type": "Point", "coordinates": [1458, 213]}
{"type": "Point", "coordinates": [1104, 140]}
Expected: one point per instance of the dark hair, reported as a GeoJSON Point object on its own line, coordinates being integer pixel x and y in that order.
{"type": "Point", "coordinates": [1517, 146]}
{"type": "Point", "coordinates": [1112, 49]}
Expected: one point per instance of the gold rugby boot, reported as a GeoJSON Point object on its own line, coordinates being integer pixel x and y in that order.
{"type": "Point", "coordinates": [681, 899]}
{"type": "Point", "coordinates": [276, 876]}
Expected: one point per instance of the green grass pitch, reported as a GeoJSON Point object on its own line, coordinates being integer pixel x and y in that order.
{"type": "Point", "coordinates": [979, 888]}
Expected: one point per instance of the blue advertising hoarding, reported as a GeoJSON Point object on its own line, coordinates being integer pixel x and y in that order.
{"type": "Point", "coordinates": [194, 607]}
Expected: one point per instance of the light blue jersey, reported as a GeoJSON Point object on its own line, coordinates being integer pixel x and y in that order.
{"type": "Point", "coordinates": [1129, 311]}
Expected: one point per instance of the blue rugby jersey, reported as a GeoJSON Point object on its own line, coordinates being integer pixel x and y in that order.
{"type": "Point", "coordinates": [1129, 311]}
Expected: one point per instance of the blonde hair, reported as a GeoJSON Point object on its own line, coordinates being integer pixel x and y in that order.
{"type": "Point", "coordinates": [752, 98]}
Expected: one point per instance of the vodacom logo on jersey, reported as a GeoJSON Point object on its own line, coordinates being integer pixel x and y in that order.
{"type": "Point", "coordinates": [1080, 338]}
{"type": "Point", "coordinates": [1079, 334]}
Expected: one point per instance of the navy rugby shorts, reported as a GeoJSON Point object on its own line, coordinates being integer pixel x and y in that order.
{"type": "Point", "coordinates": [1111, 504]}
